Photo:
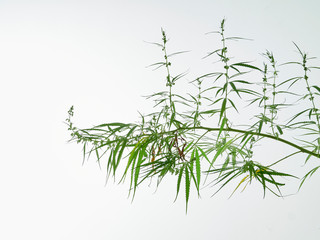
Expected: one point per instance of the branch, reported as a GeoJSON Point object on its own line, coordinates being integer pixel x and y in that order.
{"type": "Point", "coordinates": [252, 133]}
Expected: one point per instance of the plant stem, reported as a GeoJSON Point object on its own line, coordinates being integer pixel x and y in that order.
{"type": "Point", "coordinates": [226, 67]}
{"type": "Point", "coordinates": [167, 64]}
{"type": "Point", "coordinates": [311, 98]}
{"type": "Point", "coordinates": [317, 155]}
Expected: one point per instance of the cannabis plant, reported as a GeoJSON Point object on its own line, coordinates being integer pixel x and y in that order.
{"type": "Point", "coordinates": [197, 136]}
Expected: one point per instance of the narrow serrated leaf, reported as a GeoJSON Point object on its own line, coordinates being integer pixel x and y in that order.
{"type": "Point", "coordinates": [223, 108]}
{"type": "Point", "coordinates": [187, 187]}
{"type": "Point", "coordinates": [198, 168]}
{"type": "Point", "coordinates": [243, 64]}
{"type": "Point", "coordinates": [179, 182]}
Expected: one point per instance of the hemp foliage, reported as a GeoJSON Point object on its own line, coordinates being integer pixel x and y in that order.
{"type": "Point", "coordinates": [194, 136]}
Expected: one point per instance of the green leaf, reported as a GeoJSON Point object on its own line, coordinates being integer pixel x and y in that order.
{"type": "Point", "coordinates": [279, 130]}
{"type": "Point", "coordinates": [193, 177]}
{"type": "Point", "coordinates": [112, 124]}
{"type": "Point", "coordinates": [224, 121]}
{"type": "Point", "coordinates": [317, 88]}
{"type": "Point", "coordinates": [237, 38]}
{"type": "Point", "coordinates": [310, 113]}
{"type": "Point", "coordinates": [198, 168]}
{"type": "Point", "coordinates": [187, 187]}
{"type": "Point", "coordinates": [203, 154]}
{"type": "Point", "coordinates": [132, 158]}
{"type": "Point", "coordinates": [124, 144]}
{"type": "Point", "coordinates": [298, 49]}
{"type": "Point", "coordinates": [234, 157]}
{"type": "Point", "coordinates": [84, 152]}
{"type": "Point", "coordinates": [174, 79]}
{"type": "Point", "coordinates": [244, 64]}
{"type": "Point", "coordinates": [263, 181]}
{"type": "Point", "coordinates": [212, 112]}
{"type": "Point", "coordinates": [260, 126]}
{"type": "Point", "coordinates": [225, 164]}
{"type": "Point", "coordinates": [234, 68]}
{"type": "Point", "coordinates": [222, 149]}
{"type": "Point", "coordinates": [309, 174]}
{"type": "Point", "coordinates": [233, 105]}
{"type": "Point", "coordinates": [275, 173]}
{"type": "Point", "coordinates": [114, 160]}
{"type": "Point", "coordinates": [211, 53]}
{"type": "Point", "coordinates": [223, 108]}
{"type": "Point", "coordinates": [292, 80]}
{"type": "Point", "coordinates": [133, 161]}
{"type": "Point", "coordinates": [241, 81]}
{"type": "Point", "coordinates": [297, 115]}
{"type": "Point", "coordinates": [137, 169]}
{"type": "Point", "coordinates": [234, 88]}
{"type": "Point", "coordinates": [177, 53]}
{"type": "Point", "coordinates": [226, 176]}
{"type": "Point", "coordinates": [179, 181]}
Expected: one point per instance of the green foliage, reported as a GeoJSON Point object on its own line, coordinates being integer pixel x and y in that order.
{"type": "Point", "coordinates": [192, 135]}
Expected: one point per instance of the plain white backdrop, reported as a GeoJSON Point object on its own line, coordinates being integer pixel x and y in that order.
{"type": "Point", "coordinates": [93, 55]}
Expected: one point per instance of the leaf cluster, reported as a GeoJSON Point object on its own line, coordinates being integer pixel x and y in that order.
{"type": "Point", "coordinates": [194, 136]}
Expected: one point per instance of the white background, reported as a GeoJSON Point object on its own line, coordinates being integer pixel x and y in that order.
{"type": "Point", "coordinates": [93, 55]}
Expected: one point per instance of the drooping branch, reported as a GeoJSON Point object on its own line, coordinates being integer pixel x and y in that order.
{"type": "Point", "coordinates": [173, 140]}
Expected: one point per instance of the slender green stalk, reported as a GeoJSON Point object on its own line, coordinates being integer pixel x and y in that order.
{"type": "Point", "coordinates": [265, 98]}
{"type": "Point", "coordinates": [167, 65]}
{"type": "Point", "coordinates": [311, 96]}
{"type": "Point", "coordinates": [225, 60]}
{"type": "Point", "coordinates": [273, 107]}
{"type": "Point", "coordinates": [196, 121]}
